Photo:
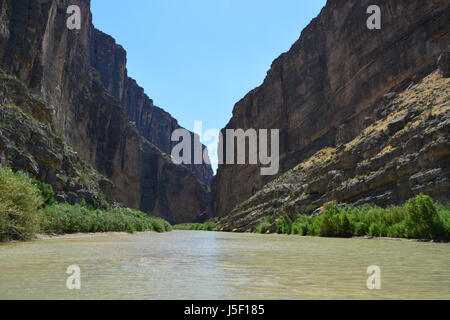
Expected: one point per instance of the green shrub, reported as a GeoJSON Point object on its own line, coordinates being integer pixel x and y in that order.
{"type": "Point", "coordinates": [422, 218]}
{"type": "Point", "coordinates": [47, 193]}
{"type": "Point", "coordinates": [284, 225]}
{"type": "Point", "coordinates": [397, 230]}
{"type": "Point", "coordinates": [361, 229]}
{"type": "Point", "coordinates": [27, 207]}
{"type": "Point", "coordinates": [334, 222]}
{"type": "Point", "coordinates": [264, 226]}
{"type": "Point", "coordinates": [378, 229]}
{"type": "Point", "coordinates": [444, 217]}
{"type": "Point", "coordinates": [303, 226]}
{"type": "Point", "coordinates": [19, 203]}
{"type": "Point", "coordinates": [64, 218]}
{"type": "Point", "coordinates": [160, 225]}
{"type": "Point", "coordinates": [206, 226]}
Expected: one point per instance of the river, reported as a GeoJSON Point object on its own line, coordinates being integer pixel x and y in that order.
{"type": "Point", "coordinates": [215, 265]}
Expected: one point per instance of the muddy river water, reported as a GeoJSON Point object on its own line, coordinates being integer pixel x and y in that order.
{"type": "Point", "coordinates": [214, 265]}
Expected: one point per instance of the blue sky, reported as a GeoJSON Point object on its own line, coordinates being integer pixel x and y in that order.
{"type": "Point", "coordinates": [197, 58]}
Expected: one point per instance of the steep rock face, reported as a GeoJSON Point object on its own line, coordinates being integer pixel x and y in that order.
{"type": "Point", "coordinates": [29, 143]}
{"type": "Point", "coordinates": [329, 86]}
{"type": "Point", "coordinates": [22, 25]}
{"type": "Point", "coordinates": [404, 153]}
{"type": "Point", "coordinates": [153, 123]}
{"type": "Point", "coordinates": [56, 63]}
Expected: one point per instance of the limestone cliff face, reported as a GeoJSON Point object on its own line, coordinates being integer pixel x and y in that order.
{"type": "Point", "coordinates": [83, 83]}
{"type": "Point", "coordinates": [330, 85]}
{"type": "Point", "coordinates": [155, 124]}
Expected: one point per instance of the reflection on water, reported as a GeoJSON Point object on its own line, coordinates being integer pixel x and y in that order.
{"type": "Point", "coordinates": [209, 265]}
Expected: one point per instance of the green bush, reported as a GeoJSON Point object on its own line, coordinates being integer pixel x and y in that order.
{"type": "Point", "coordinates": [264, 226]}
{"type": "Point", "coordinates": [397, 230]}
{"type": "Point", "coordinates": [444, 217]}
{"type": "Point", "coordinates": [64, 218]}
{"type": "Point", "coordinates": [303, 226]}
{"type": "Point", "coordinates": [47, 193]}
{"type": "Point", "coordinates": [360, 229]}
{"type": "Point", "coordinates": [206, 226]}
{"type": "Point", "coordinates": [27, 207]}
{"type": "Point", "coordinates": [334, 222]}
{"type": "Point", "coordinates": [284, 225]}
{"type": "Point", "coordinates": [19, 203]}
{"type": "Point", "coordinates": [378, 229]}
{"type": "Point", "coordinates": [420, 217]}
{"type": "Point", "coordinates": [423, 219]}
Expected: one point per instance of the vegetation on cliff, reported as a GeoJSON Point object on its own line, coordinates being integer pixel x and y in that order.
{"type": "Point", "coordinates": [27, 208]}
{"type": "Point", "coordinates": [419, 218]}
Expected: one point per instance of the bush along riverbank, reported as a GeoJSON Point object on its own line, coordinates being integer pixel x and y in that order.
{"type": "Point", "coordinates": [27, 208]}
{"type": "Point", "coordinates": [206, 226]}
{"type": "Point", "coordinates": [419, 218]}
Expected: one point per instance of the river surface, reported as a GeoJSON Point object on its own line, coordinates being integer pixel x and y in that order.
{"type": "Point", "coordinates": [214, 265]}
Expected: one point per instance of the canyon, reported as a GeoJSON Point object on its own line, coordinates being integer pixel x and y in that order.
{"type": "Point", "coordinates": [363, 116]}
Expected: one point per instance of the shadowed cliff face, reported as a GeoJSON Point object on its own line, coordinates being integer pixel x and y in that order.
{"type": "Point", "coordinates": [81, 76]}
{"type": "Point", "coordinates": [153, 123]}
{"type": "Point", "coordinates": [329, 86]}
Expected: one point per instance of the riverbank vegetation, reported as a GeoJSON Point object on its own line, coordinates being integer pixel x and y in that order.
{"type": "Point", "coordinates": [419, 218]}
{"type": "Point", "coordinates": [27, 208]}
{"type": "Point", "coordinates": [64, 218]}
{"type": "Point", "coordinates": [206, 226]}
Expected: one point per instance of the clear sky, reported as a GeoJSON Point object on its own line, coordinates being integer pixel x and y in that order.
{"type": "Point", "coordinates": [197, 58]}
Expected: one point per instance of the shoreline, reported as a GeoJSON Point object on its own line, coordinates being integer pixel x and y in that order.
{"type": "Point", "coordinates": [353, 237]}
{"type": "Point", "coordinates": [399, 239]}
{"type": "Point", "coordinates": [82, 235]}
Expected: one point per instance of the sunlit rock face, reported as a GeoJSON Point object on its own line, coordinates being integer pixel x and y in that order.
{"type": "Point", "coordinates": [331, 84]}
{"type": "Point", "coordinates": [101, 112]}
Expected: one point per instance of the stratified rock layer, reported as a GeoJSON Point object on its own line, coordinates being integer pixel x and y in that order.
{"type": "Point", "coordinates": [331, 84]}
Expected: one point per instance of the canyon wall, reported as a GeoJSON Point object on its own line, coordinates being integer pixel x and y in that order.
{"type": "Point", "coordinates": [155, 124]}
{"type": "Point", "coordinates": [80, 75]}
{"type": "Point", "coordinates": [405, 152]}
{"type": "Point", "coordinates": [331, 84]}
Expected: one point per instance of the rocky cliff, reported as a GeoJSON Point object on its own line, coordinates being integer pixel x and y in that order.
{"type": "Point", "coordinates": [79, 77]}
{"type": "Point", "coordinates": [327, 89]}
{"type": "Point", "coordinates": [404, 153]}
{"type": "Point", "coordinates": [153, 123]}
